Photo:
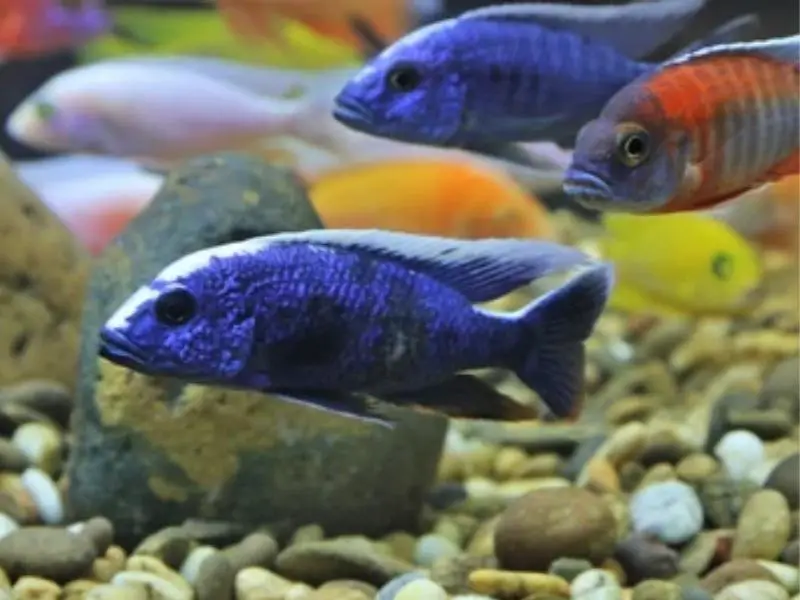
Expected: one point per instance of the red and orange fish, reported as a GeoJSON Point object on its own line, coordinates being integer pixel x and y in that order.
{"type": "Point", "coordinates": [700, 130]}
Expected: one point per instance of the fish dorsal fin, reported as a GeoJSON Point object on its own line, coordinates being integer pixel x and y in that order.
{"type": "Point", "coordinates": [635, 29]}
{"type": "Point", "coordinates": [785, 49]}
{"type": "Point", "coordinates": [481, 270]}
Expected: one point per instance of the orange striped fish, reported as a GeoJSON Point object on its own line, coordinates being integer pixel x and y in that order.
{"type": "Point", "coordinates": [701, 129]}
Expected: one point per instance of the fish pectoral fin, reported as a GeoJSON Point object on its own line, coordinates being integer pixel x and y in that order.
{"type": "Point", "coordinates": [465, 397]}
{"type": "Point", "coordinates": [634, 29]}
{"type": "Point", "coordinates": [346, 404]}
{"type": "Point", "coordinates": [481, 270]}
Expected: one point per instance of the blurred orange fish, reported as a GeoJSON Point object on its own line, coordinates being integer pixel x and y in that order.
{"type": "Point", "coordinates": [429, 197]}
{"type": "Point", "coordinates": [331, 18]}
{"type": "Point", "coordinates": [30, 28]}
{"type": "Point", "coordinates": [701, 130]}
{"type": "Point", "coordinates": [768, 216]}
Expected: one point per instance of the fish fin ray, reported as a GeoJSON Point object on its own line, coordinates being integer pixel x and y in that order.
{"type": "Point", "coordinates": [481, 270]}
{"type": "Point", "coordinates": [357, 406]}
{"type": "Point", "coordinates": [737, 29]}
{"type": "Point", "coordinates": [561, 321]}
{"type": "Point", "coordinates": [635, 30]}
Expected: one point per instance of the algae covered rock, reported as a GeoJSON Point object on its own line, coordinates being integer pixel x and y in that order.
{"type": "Point", "coordinates": [152, 452]}
{"type": "Point", "coordinates": [43, 273]}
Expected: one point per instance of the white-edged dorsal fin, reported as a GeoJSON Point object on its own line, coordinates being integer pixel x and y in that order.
{"type": "Point", "coordinates": [481, 270]}
{"type": "Point", "coordinates": [784, 49]}
{"type": "Point", "coordinates": [634, 29]}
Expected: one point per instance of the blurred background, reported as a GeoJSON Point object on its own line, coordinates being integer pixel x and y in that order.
{"type": "Point", "coordinates": [20, 78]}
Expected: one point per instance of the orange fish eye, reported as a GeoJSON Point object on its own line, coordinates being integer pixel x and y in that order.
{"type": "Point", "coordinates": [633, 144]}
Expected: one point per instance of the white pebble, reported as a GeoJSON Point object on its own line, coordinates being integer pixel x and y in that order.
{"type": "Point", "coordinates": [740, 452]}
{"type": "Point", "coordinates": [421, 589]}
{"type": "Point", "coordinates": [154, 584]}
{"type": "Point", "coordinates": [595, 584]}
{"type": "Point", "coordinates": [41, 445]}
{"type": "Point", "coordinates": [7, 525]}
{"type": "Point", "coordinates": [788, 575]}
{"type": "Point", "coordinates": [45, 495]}
{"type": "Point", "coordinates": [191, 565]}
{"type": "Point", "coordinates": [391, 588]}
{"type": "Point", "coordinates": [669, 510]}
{"type": "Point", "coordinates": [432, 547]}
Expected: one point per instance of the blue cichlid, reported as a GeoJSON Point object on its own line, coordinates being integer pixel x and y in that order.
{"type": "Point", "coordinates": [322, 317]}
{"type": "Point", "coordinates": [514, 73]}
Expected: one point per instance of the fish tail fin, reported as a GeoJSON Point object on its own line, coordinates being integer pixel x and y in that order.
{"type": "Point", "coordinates": [555, 327]}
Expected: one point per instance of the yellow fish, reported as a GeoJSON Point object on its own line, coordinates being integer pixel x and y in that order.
{"type": "Point", "coordinates": [682, 264]}
{"type": "Point", "coordinates": [204, 32]}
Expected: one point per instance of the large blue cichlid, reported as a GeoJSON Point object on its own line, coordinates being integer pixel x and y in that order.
{"type": "Point", "coordinates": [321, 317]}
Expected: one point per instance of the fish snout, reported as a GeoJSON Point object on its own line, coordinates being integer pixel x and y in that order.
{"type": "Point", "coordinates": [351, 112]}
{"type": "Point", "coordinates": [117, 348]}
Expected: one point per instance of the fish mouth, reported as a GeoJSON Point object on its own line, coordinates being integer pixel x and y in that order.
{"type": "Point", "coordinates": [118, 349]}
{"type": "Point", "coordinates": [351, 112]}
{"type": "Point", "coordinates": [592, 192]}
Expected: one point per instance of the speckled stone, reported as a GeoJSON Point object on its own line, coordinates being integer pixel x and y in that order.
{"type": "Point", "coordinates": [233, 456]}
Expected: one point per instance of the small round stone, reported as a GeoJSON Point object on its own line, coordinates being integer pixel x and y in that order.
{"type": "Point", "coordinates": [740, 452]}
{"type": "Point", "coordinates": [432, 547]}
{"type": "Point", "coordinates": [670, 511]}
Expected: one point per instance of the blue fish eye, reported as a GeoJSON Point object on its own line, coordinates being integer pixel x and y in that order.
{"type": "Point", "coordinates": [722, 265]}
{"type": "Point", "coordinates": [404, 78]}
{"type": "Point", "coordinates": [175, 306]}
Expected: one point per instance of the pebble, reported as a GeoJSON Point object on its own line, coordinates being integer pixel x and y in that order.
{"type": "Point", "coordinates": [595, 584]}
{"type": "Point", "coordinates": [215, 578]}
{"type": "Point", "coordinates": [552, 523]}
{"type": "Point", "coordinates": [671, 511]}
{"type": "Point", "coordinates": [785, 478]}
{"type": "Point", "coordinates": [419, 589]}
{"type": "Point", "coordinates": [47, 397]}
{"type": "Point", "coordinates": [740, 452]}
{"type": "Point", "coordinates": [654, 589]}
{"type": "Point", "coordinates": [432, 547]}
{"type": "Point", "coordinates": [48, 552]}
{"type": "Point", "coordinates": [171, 545]}
{"type": "Point", "coordinates": [36, 588]}
{"type": "Point", "coordinates": [190, 568]}
{"type": "Point", "coordinates": [115, 592]}
{"type": "Point", "coordinates": [156, 586]}
{"type": "Point", "coordinates": [569, 568]}
{"type": "Point", "coordinates": [752, 590]}
{"type": "Point", "coordinates": [782, 387]}
{"type": "Point", "coordinates": [389, 589]}
{"type": "Point", "coordinates": [343, 558]}
{"type": "Point", "coordinates": [733, 572]}
{"type": "Point", "coordinates": [257, 583]}
{"type": "Point", "coordinates": [723, 499]}
{"type": "Point", "coordinates": [764, 526]}
{"type": "Point", "coordinates": [255, 550]}
{"type": "Point", "coordinates": [514, 584]}
{"type": "Point", "coordinates": [41, 445]}
{"type": "Point", "coordinates": [7, 525]}
{"type": "Point", "coordinates": [12, 458]}
{"type": "Point", "coordinates": [643, 557]}
{"type": "Point", "coordinates": [696, 467]}
{"type": "Point", "coordinates": [98, 529]}
{"type": "Point", "coordinates": [787, 575]}
{"type": "Point", "coordinates": [45, 495]}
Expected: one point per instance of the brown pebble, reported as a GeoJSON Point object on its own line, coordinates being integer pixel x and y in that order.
{"type": "Point", "coordinates": [256, 550]}
{"type": "Point", "coordinates": [401, 544]}
{"type": "Point", "coordinates": [482, 542]}
{"type": "Point", "coordinates": [551, 523]}
{"type": "Point", "coordinates": [509, 462]}
{"type": "Point", "coordinates": [100, 531]}
{"type": "Point", "coordinates": [733, 572]}
{"type": "Point", "coordinates": [600, 476]}
{"type": "Point", "coordinates": [343, 558]}
{"type": "Point", "coordinates": [658, 473]}
{"type": "Point", "coordinates": [215, 579]}
{"type": "Point", "coordinates": [630, 476]}
{"type": "Point", "coordinates": [654, 589]}
{"type": "Point", "coordinates": [105, 567]}
{"type": "Point", "coordinates": [48, 552]}
{"type": "Point", "coordinates": [170, 545]}
{"type": "Point", "coordinates": [764, 526]}
{"type": "Point", "coordinates": [545, 464]}
{"type": "Point", "coordinates": [36, 588]}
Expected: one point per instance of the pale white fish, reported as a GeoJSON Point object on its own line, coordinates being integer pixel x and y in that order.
{"type": "Point", "coordinates": [144, 112]}
{"type": "Point", "coordinates": [55, 169]}
{"type": "Point", "coordinates": [269, 81]}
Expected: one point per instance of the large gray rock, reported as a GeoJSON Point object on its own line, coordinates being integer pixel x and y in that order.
{"type": "Point", "coordinates": [150, 452]}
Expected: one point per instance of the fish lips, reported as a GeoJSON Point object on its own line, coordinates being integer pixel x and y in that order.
{"type": "Point", "coordinates": [592, 192]}
{"type": "Point", "coordinates": [117, 348]}
{"type": "Point", "coordinates": [351, 113]}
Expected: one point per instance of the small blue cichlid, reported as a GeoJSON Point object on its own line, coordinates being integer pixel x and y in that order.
{"type": "Point", "coordinates": [323, 317]}
{"type": "Point", "coordinates": [512, 73]}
